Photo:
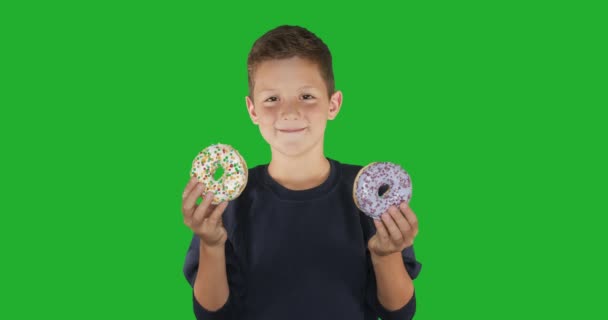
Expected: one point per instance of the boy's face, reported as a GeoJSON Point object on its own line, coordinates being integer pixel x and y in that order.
{"type": "Point", "coordinates": [291, 106]}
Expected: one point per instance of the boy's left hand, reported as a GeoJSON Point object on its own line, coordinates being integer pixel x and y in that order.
{"type": "Point", "coordinates": [395, 232]}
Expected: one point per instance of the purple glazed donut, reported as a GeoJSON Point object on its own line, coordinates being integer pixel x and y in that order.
{"type": "Point", "coordinates": [377, 176]}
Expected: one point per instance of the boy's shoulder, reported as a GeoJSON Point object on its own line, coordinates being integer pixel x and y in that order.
{"type": "Point", "coordinates": [349, 170]}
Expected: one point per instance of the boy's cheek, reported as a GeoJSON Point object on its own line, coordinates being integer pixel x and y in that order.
{"type": "Point", "coordinates": [267, 114]}
{"type": "Point", "coordinates": [266, 121]}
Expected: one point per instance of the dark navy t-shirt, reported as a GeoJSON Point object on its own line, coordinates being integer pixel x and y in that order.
{"type": "Point", "coordinates": [299, 254]}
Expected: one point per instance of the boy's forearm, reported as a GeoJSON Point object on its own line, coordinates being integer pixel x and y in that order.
{"type": "Point", "coordinates": [394, 285]}
{"type": "Point", "coordinates": [211, 284]}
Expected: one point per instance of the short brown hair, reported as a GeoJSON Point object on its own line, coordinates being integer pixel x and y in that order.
{"type": "Point", "coordinates": [286, 42]}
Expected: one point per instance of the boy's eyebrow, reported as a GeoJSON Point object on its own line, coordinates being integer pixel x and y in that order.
{"type": "Point", "coordinates": [304, 87]}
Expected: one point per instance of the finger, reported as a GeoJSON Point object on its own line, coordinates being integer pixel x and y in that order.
{"type": "Point", "coordinates": [202, 211]}
{"type": "Point", "coordinates": [190, 201]}
{"type": "Point", "coordinates": [393, 230]}
{"type": "Point", "coordinates": [381, 230]}
{"type": "Point", "coordinates": [410, 216]}
{"type": "Point", "coordinates": [189, 186]}
{"type": "Point", "coordinates": [216, 215]}
{"type": "Point", "coordinates": [401, 221]}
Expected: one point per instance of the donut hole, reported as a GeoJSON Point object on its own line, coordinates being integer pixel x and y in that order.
{"type": "Point", "coordinates": [218, 173]}
{"type": "Point", "coordinates": [383, 190]}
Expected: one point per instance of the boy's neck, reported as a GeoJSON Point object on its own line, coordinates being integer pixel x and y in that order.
{"type": "Point", "coordinates": [299, 173]}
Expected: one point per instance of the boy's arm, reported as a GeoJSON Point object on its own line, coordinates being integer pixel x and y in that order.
{"type": "Point", "coordinates": [211, 283]}
{"type": "Point", "coordinates": [394, 285]}
{"type": "Point", "coordinates": [208, 271]}
{"type": "Point", "coordinates": [392, 293]}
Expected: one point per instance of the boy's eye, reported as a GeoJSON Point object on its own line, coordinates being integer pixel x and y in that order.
{"type": "Point", "coordinates": [304, 96]}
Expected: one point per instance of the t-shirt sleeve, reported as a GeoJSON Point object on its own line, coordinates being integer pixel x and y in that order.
{"type": "Point", "coordinates": [230, 308]}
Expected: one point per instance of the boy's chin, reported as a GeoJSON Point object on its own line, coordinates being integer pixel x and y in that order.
{"type": "Point", "coordinates": [291, 150]}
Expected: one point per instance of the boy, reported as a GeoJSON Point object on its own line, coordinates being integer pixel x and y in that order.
{"type": "Point", "coordinates": [294, 245]}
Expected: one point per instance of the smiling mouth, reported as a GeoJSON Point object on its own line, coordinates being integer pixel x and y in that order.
{"type": "Point", "coordinates": [292, 130]}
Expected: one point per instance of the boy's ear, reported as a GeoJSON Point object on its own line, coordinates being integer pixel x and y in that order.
{"type": "Point", "coordinates": [335, 103]}
{"type": "Point", "coordinates": [251, 110]}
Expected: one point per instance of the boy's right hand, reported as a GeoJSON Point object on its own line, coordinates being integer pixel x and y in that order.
{"type": "Point", "coordinates": [204, 219]}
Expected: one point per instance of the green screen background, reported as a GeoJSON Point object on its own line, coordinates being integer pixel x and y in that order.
{"type": "Point", "coordinates": [496, 109]}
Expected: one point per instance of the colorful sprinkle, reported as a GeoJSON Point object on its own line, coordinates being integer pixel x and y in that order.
{"type": "Point", "coordinates": [369, 181]}
{"type": "Point", "coordinates": [232, 182]}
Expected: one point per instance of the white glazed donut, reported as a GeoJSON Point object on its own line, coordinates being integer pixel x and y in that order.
{"type": "Point", "coordinates": [230, 185]}
{"type": "Point", "coordinates": [369, 180]}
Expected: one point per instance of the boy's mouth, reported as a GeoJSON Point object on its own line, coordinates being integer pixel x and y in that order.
{"type": "Point", "coordinates": [291, 130]}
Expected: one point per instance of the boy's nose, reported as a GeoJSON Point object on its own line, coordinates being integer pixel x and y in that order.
{"type": "Point", "coordinates": [291, 111]}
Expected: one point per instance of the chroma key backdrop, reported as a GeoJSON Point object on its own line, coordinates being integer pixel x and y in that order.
{"type": "Point", "coordinates": [495, 109]}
